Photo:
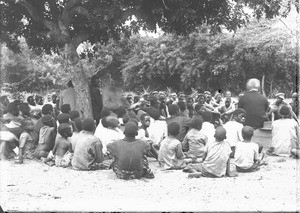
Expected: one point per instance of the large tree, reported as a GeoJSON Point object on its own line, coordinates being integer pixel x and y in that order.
{"type": "Point", "coordinates": [61, 25]}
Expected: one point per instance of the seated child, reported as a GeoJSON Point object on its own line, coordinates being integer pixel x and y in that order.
{"type": "Point", "coordinates": [170, 154]}
{"type": "Point", "coordinates": [285, 134]}
{"type": "Point", "coordinates": [157, 129]}
{"type": "Point", "coordinates": [62, 151]}
{"type": "Point", "coordinates": [73, 138]}
{"type": "Point", "coordinates": [110, 132]}
{"type": "Point", "coordinates": [143, 134]}
{"type": "Point", "coordinates": [226, 110]}
{"type": "Point", "coordinates": [46, 137]}
{"type": "Point", "coordinates": [195, 140]}
{"type": "Point", "coordinates": [88, 151]}
{"type": "Point", "coordinates": [208, 129]}
{"type": "Point", "coordinates": [234, 128]}
{"type": "Point", "coordinates": [128, 153]}
{"type": "Point", "coordinates": [8, 143]}
{"type": "Point", "coordinates": [215, 159]}
{"type": "Point", "coordinates": [27, 141]}
{"type": "Point", "coordinates": [247, 153]}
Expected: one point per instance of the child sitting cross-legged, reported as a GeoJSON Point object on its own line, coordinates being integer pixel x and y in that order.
{"type": "Point", "coordinates": [248, 155]}
{"type": "Point", "coordinates": [285, 134]}
{"type": "Point", "coordinates": [46, 137]}
{"type": "Point", "coordinates": [27, 140]}
{"type": "Point", "coordinates": [195, 141]}
{"type": "Point", "coordinates": [215, 159]}
{"type": "Point", "coordinates": [62, 151]}
{"type": "Point", "coordinates": [170, 154]}
{"type": "Point", "coordinates": [129, 161]}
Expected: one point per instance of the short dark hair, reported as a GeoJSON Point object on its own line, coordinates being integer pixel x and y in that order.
{"type": "Point", "coordinates": [143, 116]}
{"type": "Point", "coordinates": [207, 116]}
{"type": "Point", "coordinates": [173, 109]}
{"type": "Point", "coordinates": [65, 108]}
{"type": "Point", "coordinates": [181, 105]}
{"type": "Point", "coordinates": [239, 111]}
{"type": "Point", "coordinates": [173, 128]}
{"type": "Point", "coordinates": [78, 123]}
{"type": "Point", "coordinates": [46, 109]}
{"type": "Point", "coordinates": [88, 124]}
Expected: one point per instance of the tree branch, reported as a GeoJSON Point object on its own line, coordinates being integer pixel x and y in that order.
{"type": "Point", "coordinates": [79, 10]}
{"type": "Point", "coordinates": [66, 16]}
{"type": "Point", "coordinates": [36, 16]}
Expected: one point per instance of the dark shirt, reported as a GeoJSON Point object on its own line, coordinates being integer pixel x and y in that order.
{"type": "Point", "coordinates": [128, 153]}
{"type": "Point", "coordinates": [182, 123]}
{"type": "Point", "coordinates": [97, 102]}
{"type": "Point", "coordinates": [256, 106]}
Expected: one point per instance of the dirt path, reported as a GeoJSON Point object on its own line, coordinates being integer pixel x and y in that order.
{"type": "Point", "coordinates": [37, 187]}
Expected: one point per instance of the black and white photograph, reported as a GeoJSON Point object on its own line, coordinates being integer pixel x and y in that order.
{"type": "Point", "coordinates": [149, 106]}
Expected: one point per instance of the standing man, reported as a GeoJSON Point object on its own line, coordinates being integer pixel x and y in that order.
{"type": "Point", "coordinates": [255, 104]}
{"type": "Point", "coordinates": [68, 96]}
{"type": "Point", "coordinates": [96, 96]}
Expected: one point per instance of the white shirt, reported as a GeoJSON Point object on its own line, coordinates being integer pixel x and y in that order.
{"type": "Point", "coordinates": [158, 130]}
{"type": "Point", "coordinates": [284, 136]}
{"type": "Point", "coordinates": [208, 129]}
{"type": "Point", "coordinates": [245, 154]}
{"type": "Point", "coordinates": [233, 132]}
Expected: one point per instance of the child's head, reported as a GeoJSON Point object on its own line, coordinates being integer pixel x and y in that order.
{"type": "Point", "coordinates": [196, 123]}
{"type": "Point", "coordinates": [74, 114]}
{"type": "Point", "coordinates": [220, 133]}
{"type": "Point", "coordinates": [207, 116]}
{"type": "Point", "coordinates": [78, 124]}
{"type": "Point", "coordinates": [25, 109]}
{"type": "Point", "coordinates": [48, 120]}
{"type": "Point", "coordinates": [173, 109]}
{"type": "Point", "coordinates": [112, 122]}
{"type": "Point", "coordinates": [227, 102]}
{"type": "Point", "coordinates": [88, 124]}
{"type": "Point", "coordinates": [47, 109]}
{"type": "Point", "coordinates": [182, 106]}
{"type": "Point", "coordinates": [104, 122]}
{"type": "Point", "coordinates": [27, 124]}
{"type": "Point", "coordinates": [65, 108]}
{"type": "Point", "coordinates": [247, 132]}
{"type": "Point", "coordinates": [239, 115]}
{"type": "Point", "coordinates": [63, 118]}
{"type": "Point", "coordinates": [13, 108]}
{"type": "Point", "coordinates": [173, 129]}
{"type": "Point", "coordinates": [145, 120]}
{"type": "Point", "coordinates": [154, 113]}
{"type": "Point", "coordinates": [65, 130]}
{"type": "Point", "coordinates": [125, 118]}
{"type": "Point", "coordinates": [284, 111]}
{"type": "Point", "coordinates": [131, 130]}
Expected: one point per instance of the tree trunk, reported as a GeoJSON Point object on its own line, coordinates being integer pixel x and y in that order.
{"type": "Point", "coordinates": [263, 85]}
{"type": "Point", "coordinates": [80, 82]}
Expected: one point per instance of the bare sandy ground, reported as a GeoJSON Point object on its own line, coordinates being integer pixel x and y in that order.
{"type": "Point", "coordinates": [37, 187]}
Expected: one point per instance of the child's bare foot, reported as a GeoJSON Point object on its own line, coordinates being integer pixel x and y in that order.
{"type": "Point", "coordinates": [19, 160]}
{"type": "Point", "coordinates": [195, 175]}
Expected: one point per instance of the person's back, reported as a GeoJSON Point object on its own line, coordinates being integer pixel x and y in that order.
{"type": "Point", "coordinates": [170, 153]}
{"type": "Point", "coordinates": [255, 105]}
{"type": "Point", "coordinates": [68, 96]}
{"type": "Point", "coordinates": [130, 161]}
{"type": "Point", "coordinates": [129, 153]}
{"type": "Point", "coordinates": [174, 111]}
{"type": "Point", "coordinates": [88, 151]}
{"type": "Point", "coordinates": [196, 142]}
{"type": "Point", "coordinates": [208, 129]}
{"type": "Point", "coordinates": [217, 157]}
{"type": "Point", "coordinates": [284, 133]}
{"type": "Point", "coordinates": [234, 127]}
{"type": "Point", "coordinates": [157, 129]}
{"type": "Point", "coordinates": [47, 137]}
